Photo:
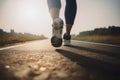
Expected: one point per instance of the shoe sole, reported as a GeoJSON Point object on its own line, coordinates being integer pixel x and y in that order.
{"type": "Point", "coordinates": [56, 42]}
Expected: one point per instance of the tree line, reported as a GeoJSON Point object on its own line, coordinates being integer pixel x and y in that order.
{"type": "Point", "coordinates": [14, 37]}
{"type": "Point", "coordinates": [111, 30]}
{"type": "Point", "coordinates": [13, 33]}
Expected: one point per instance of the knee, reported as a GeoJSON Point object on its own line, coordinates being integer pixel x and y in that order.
{"type": "Point", "coordinates": [54, 4]}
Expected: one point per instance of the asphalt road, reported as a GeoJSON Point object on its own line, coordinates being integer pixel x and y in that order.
{"type": "Point", "coordinates": [38, 60]}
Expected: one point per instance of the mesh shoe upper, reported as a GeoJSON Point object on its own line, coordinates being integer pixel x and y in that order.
{"type": "Point", "coordinates": [57, 27]}
{"type": "Point", "coordinates": [56, 39]}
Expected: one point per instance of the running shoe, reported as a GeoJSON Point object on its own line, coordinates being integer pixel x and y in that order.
{"type": "Point", "coordinates": [67, 40]}
{"type": "Point", "coordinates": [56, 39]}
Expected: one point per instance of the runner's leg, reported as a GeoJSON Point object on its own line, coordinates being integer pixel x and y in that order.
{"type": "Point", "coordinates": [54, 8]}
{"type": "Point", "coordinates": [70, 13]}
{"type": "Point", "coordinates": [57, 26]}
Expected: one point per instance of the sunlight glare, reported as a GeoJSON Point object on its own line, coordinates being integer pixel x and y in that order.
{"type": "Point", "coordinates": [31, 13]}
{"type": "Point", "coordinates": [34, 16]}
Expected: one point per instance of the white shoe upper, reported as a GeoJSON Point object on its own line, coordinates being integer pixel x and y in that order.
{"type": "Point", "coordinates": [57, 27]}
{"type": "Point", "coordinates": [67, 42]}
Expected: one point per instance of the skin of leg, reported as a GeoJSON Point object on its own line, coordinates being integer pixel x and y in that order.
{"type": "Point", "coordinates": [54, 8]}
{"type": "Point", "coordinates": [54, 13]}
{"type": "Point", "coordinates": [68, 29]}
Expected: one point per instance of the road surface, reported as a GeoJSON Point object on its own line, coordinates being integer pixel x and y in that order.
{"type": "Point", "coordinates": [38, 60]}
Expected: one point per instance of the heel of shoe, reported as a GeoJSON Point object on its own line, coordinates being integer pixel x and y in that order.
{"type": "Point", "coordinates": [56, 42]}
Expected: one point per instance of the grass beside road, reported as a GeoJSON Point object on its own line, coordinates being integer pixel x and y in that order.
{"type": "Point", "coordinates": [8, 39]}
{"type": "Point", "coordinates": [100, 39]}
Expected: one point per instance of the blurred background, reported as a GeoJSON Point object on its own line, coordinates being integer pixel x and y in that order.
{"type": "Point", "coordinates": [33, 16]}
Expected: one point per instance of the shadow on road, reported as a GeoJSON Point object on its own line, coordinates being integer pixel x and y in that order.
{"type": "Point", "coordinates": [98, 51]}
{"type": "Point", "coordinates": [97, 67]}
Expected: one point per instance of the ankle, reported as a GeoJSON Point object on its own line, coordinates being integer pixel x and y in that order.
{"type": "Point", "coordinates": [68, 29]}
{"type": "Point", "coordinates": [67, 34]}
